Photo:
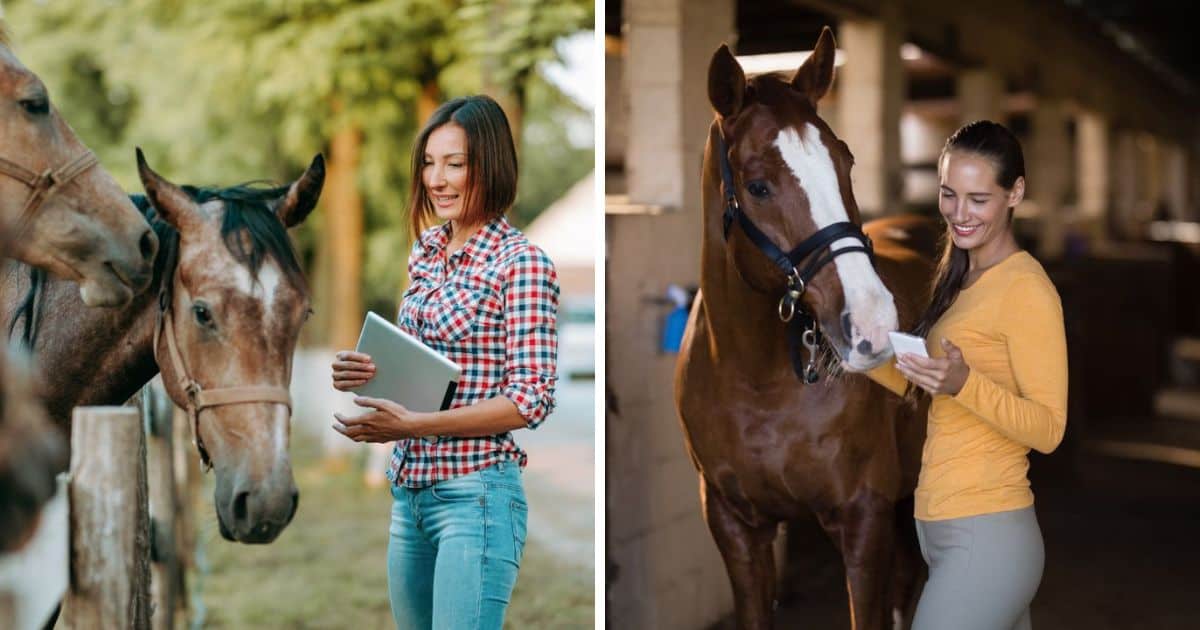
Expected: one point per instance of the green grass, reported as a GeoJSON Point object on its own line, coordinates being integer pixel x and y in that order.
{"type": "Point", "coordinates": [327, 569]}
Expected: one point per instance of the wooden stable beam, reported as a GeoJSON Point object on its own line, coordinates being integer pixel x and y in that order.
{"type": "Point", "coordinates": [110, 534]}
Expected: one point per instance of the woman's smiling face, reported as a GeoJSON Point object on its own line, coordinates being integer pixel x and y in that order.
{"type": "Point", "coordinates": [445, 171]}
{"type": "Point", "coordinates": [973, 204]}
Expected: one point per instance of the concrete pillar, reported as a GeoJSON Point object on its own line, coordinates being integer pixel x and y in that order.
{"type": "Point", "coordinates": [870, 100]}
{"type": "Point", "coordinates": [1193, 166]}
{"type": "Point", "coordinates": [981, 93]}
{"type": "Point", "coordinates": [1048, 175]}
{"type": "Point", "coordinates": [1125, 165]}
{"type": "Point", "coordinates": [664, 570]}
{"type": "Point", "coordinates": [1092, 175]}
{"type": "Point", "coordinates": [1175, 188]}
{"type": "Point", "coordinates": [1150, 176]}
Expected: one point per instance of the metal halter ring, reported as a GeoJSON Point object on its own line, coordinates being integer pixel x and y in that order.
{"type": "Point", "coordinates": [787, 302]}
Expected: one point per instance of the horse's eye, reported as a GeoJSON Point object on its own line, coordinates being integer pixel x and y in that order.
{"type": "Point", "coordinates": [36, 106]}
{"type": "Point", "coordinates": [759, 189]}
{"type": "Point", "coordinates": [203, 315]}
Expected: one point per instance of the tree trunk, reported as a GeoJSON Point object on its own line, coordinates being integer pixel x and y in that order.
{"type": "Point", "coordinates": [343, 238]}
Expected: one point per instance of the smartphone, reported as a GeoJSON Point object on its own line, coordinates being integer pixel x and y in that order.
{"type": "Point", "coordinates": [906, 343]}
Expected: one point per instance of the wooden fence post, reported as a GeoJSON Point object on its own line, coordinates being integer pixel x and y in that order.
{"type": "Point", "coordinates": [164, 508]}
{"type": "Point", "coordinates": [110, 533]}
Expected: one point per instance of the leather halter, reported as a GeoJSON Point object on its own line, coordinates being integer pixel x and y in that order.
{"type": "Point", "coordinates": [42, 186]}
{"type": "Point", "coordinates": [197, 398]}
{"type": "Point", "coordinates": [816, 248]}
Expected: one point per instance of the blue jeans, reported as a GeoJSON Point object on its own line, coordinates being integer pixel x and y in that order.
{"type": "Point", "coordinates": [454, 550]}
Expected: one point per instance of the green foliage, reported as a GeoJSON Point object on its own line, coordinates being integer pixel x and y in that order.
{"type": "Point", "coordinates": [225, 91]}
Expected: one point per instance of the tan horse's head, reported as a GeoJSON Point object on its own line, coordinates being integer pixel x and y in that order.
{"type": "Point", "coordinates": [792, 178]}
{"type": "Point", "coordinates": [237, 298]}
{"type": "Point", "coordinates": [61, 211]}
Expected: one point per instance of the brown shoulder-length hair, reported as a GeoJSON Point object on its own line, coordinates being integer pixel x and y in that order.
{"type": "Point", "coordinates": [491, 161]}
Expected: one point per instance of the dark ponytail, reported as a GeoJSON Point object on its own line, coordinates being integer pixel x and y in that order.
{"type": "Point", "coordinates": [997, 144]}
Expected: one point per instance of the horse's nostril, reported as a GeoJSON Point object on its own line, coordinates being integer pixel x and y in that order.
{"type": "Point", "coordinates": [295, 504]}
{"type": "Point", "coordinates": [148, 245]}
{"type": "Point", "coordinates": [239, 507]}
{"type": "Point", "coordinates": [864, 347]}
{"type": "Point", "coordinates": [847, 327]}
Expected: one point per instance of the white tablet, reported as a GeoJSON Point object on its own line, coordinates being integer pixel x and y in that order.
{"type": "Point", "coordinates": [406, 370]}
{"type": "Point", "coordinates": [905, 343]}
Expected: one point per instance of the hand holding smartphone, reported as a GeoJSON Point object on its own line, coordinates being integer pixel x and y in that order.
{"type": "Point", "coordinates": [906, 343]}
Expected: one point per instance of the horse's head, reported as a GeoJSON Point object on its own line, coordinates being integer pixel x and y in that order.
{"type": "Point", "coordinates": [791, 179]}
{"type": "Point", "coordinates": [235, 299]}
{"type": "Point", "coordinates": [62, 211]}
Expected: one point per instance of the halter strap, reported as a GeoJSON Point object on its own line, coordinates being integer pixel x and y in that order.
{"type": "Point", "coordinates": [789, 263]}
{"type": "Point", "coordinates": [197, 398]}
{"type": "Point", "coordinates": [43, 185]}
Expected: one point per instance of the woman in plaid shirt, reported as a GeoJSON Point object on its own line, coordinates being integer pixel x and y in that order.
{"type": "Point", "coordinates": [487, 298]}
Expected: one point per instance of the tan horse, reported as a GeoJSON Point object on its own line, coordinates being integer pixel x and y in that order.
{"type": "Point", "coordinates": [62, 211]}
{"type": "Point", "coordinates": [234, 298]}
{"type": "Point", "coordinates": [769, 446]}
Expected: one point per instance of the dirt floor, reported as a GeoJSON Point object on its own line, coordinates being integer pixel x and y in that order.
{"type": "Point", "coordinates": [1122, 550]}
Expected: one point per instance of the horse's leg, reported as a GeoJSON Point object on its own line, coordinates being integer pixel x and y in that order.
{"type": "Point", "coordinates": [748, 556]}
{"type": "Point", "coordinates": [864, 532]}
{"type": "Point", "coordinates": [907, 566]}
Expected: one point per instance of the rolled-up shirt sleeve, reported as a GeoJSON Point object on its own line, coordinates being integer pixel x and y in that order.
{"type": "Point", "coordinates": [531, 344]}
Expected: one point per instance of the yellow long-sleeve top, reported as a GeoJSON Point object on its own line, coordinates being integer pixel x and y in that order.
{"type": "Point", "coordinates": [1009, 326]}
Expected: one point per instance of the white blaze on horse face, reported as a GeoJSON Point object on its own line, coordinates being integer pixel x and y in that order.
{"type": "Point", "coordinates": [871, 307]}
{"type": "Point", "coordinates": [265, 288]}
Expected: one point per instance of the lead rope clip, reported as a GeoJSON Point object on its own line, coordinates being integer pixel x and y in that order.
{"type": "Point", "coordinates": [809, 339]}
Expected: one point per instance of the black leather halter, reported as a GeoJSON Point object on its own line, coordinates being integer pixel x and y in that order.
{"type": "Point", "coordinates": [816, 249]}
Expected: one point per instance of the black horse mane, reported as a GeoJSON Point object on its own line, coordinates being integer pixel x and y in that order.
{"type": "Point", "coordinates": [249, 211]}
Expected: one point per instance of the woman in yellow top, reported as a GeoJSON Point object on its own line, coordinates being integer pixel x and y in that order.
{"type": "Point", "coordinates": [997, 373]}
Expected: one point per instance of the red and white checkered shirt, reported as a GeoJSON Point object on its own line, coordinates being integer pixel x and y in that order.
{"type": "Point", "coordinates": [492, 309]}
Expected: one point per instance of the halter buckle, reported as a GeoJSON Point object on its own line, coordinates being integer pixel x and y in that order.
{"type": "Point", "coordinates": [192, 390]}
{"type": "Point", "coordinates": [46, 179]}
{"type": "Point", "coordinates": [796, 286]}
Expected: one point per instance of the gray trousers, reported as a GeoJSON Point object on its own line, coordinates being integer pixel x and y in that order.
{"type": "Point", "coordinates": [983, 571]}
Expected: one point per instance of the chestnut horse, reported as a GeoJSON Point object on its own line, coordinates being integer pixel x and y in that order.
{"type": "Point", "coordinates": [782, 240]}
{"type": "Point", "coordinates": [221, 320]}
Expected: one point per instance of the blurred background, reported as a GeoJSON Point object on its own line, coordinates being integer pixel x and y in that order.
{"type": "Point", "coordinates": [219, 92]}
{"type": "Point", "coordinates": [1105, 98]}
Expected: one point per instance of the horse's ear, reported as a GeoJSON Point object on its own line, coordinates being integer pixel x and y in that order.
{"type": "Point", "coordinates": [816, 73]}
{"type": "Point", "coordinates": [171, 203]}
{"type": "Point", "coordinates": [726, 83]}
{"type": "Point", "coordinates": [302, 195]}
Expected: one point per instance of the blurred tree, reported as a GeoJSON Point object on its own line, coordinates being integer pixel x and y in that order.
{"type": "Point", "coordinates": [511, 37]}
{"type": "Point", "coordinates": [223, 91]}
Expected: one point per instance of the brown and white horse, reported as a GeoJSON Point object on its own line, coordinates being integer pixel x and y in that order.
{"type": "Point", "coordinates": [768, 445]}
{"type": "Point", "coordinates": [227, 300]}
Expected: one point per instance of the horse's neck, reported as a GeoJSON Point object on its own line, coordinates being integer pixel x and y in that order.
{"type": "Point", "coordinates": [88, 356]}
{"type": "Point", "coordinates": [742, 322]}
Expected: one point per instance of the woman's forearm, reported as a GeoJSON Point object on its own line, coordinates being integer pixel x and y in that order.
{"type": "Point", "coordinates": [487, 417]}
